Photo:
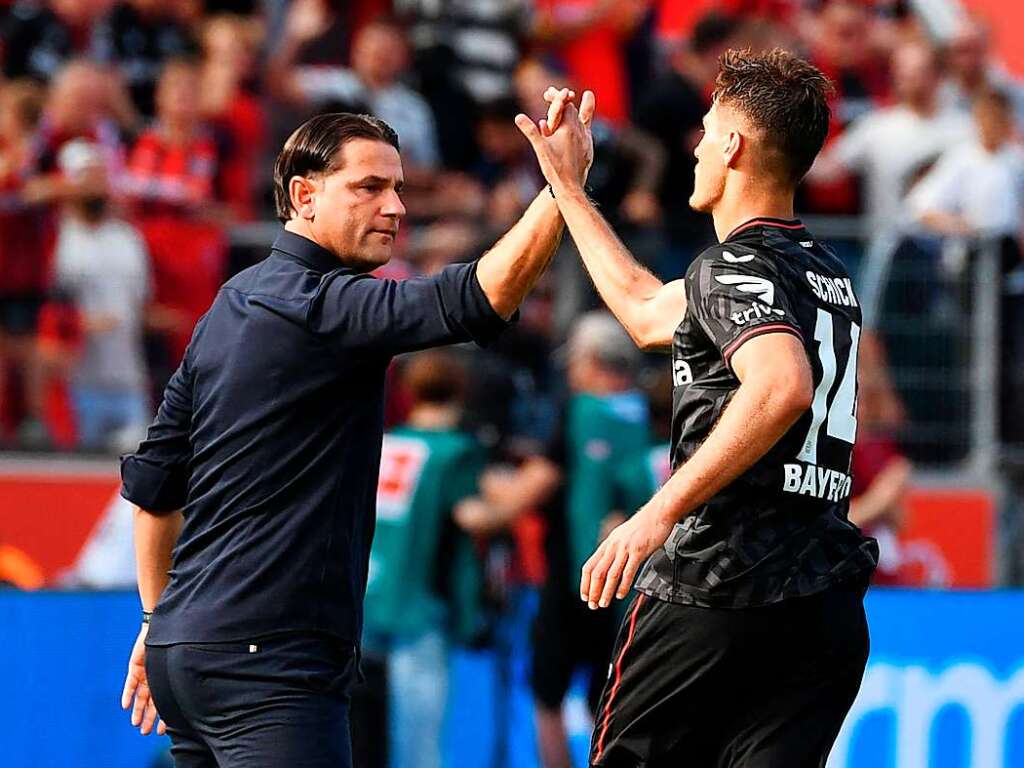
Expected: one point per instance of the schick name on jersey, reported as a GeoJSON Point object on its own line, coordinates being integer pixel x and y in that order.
{"type": "Point", "coordinates": [820, 482]}
{"type": "Point", "coordinates": [835, 290]}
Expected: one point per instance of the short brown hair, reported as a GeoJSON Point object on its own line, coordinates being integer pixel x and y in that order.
{"type": "Point", "coordinates": [315, 147]}
{"type": "Point", "coordinates": [785, 98]}
{"type": "Point", "coordinates": [436, 377]}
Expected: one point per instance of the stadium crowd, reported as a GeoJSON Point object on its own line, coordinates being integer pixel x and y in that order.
{"type": "Point", "coordinates": [136, 142]}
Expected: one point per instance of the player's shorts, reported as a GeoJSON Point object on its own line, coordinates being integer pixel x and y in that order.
{"type": "Point", "coordinates": [763, 687]}
{"type": "Point", "coordinates": [568, 635]}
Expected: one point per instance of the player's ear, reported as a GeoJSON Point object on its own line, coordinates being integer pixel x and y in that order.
{"type": "Point", "coordinates": [733, 146]}
{"type": "Point", "coordinates": [302, 193]}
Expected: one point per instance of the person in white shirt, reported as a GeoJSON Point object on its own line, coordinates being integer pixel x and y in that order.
{"type": "Point", "coordinates": [889, 146]}
{"type": "Point", "coordinates": [102, 266]}
{"type": "Point", "coordinates": [976, 188]}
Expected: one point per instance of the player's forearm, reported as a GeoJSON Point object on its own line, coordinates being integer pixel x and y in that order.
{"type": "Point", "coordinates": [155, 536]}
{"type": "Point", "coordinates": [625, 286]}
{"type": "Point", "coordinates": [510, 270]}
{"type": "Point", "coordinates": [759, 415]}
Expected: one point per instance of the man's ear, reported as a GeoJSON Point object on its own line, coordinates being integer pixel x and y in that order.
{"type": "Point", "coordinates": [302, 194]}
{"type": "Point", "coordinates": [733, 147]}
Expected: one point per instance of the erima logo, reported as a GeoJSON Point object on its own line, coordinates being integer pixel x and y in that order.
{"type": "Point", "coordinates": [681, 373]}
{"type": "Point", "coordinates": [733, 258]}
{"type": "Point", "coordinates": [763, 289]}
{"type": "Point", "coordinates": [756, 312]}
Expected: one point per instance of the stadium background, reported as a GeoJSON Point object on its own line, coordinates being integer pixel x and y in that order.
{"type": "Point", "coordinates": [159, 121]}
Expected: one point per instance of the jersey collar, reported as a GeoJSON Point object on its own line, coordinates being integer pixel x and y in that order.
{"type": "Point", "coordinates": [765, 221]}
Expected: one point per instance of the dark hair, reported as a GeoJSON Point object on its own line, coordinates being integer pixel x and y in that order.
{"type": "Point", "coordinates": [785, 98]}
{"type": "Point", "coordinates": [435, 377]}
{"type": "Point", "coordinates": [315, 147]}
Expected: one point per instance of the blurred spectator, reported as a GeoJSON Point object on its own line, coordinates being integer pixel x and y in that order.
{"type": "Point", "coordinates": [101, 265]}
{"type": "Point", "coordinates": [605, 423]}
{"type": "Point", "coordinates": [40, 37]}
{"type": "Point", "coordinates": [589, 38]}
{"type": "Point", "coordinates": [671, 110]}
{"type": "Point", "coordinates": [171, 184]}
{"type": "Point", "coordinates": [477, 44]}
{"type": "Point", "coordinates": [977, 187]}
{"type": "Point", "coordinates": [228, 104]}
{"type": "Point", "coordinates": [25, 242]}
{"type": "Point", "coordinates": [425, 580]}
{"type": "Point", "coordinates": [640, 476]}
{"type": "Point", "coordinates": [881, 474]}
{"type": "Point", "coordinates": [844, 49]}
{"type": "Point", "coordinates": [975, 196]}
{"type": "Point", "coordinates": [371, 84]}
{"type": "Point", "coordinates": [971, 69]}
{"type": "Point", "coordinates": [891, 146]}
{"type": "Point", "coordinates": [138, 36]}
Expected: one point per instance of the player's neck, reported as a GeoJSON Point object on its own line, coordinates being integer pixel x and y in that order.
{"type": "Point", "coordinates": [739, 207]}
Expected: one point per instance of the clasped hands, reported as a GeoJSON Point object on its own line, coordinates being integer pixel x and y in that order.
{"type": "Point", "coordinates": [562, 140]}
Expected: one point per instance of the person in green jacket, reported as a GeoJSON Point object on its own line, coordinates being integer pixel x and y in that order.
{"type": "Point", "coordinates": [425, 582]}
{"type": "Point", "coordinates": [604, 425]}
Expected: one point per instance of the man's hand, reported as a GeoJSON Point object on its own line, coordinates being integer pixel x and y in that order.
{"type": "Point", "coordinates": [610, 570]}
{"type": "Point", "coordinates": [136, 684]}
{"type": "Point", "coordinates": [562, 141]}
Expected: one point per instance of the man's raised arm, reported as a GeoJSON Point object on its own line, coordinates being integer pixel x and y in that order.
{"type": "Point", "coordinates": [648, 309]}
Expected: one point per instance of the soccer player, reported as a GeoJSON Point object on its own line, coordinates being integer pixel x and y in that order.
{"type": "Point", "coordinates": [748, 640]}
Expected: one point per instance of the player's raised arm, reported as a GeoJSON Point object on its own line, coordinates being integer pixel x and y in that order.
{"type": "Point", "coordinates": [648, 309]}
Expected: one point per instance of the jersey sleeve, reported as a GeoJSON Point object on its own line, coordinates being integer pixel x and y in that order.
{"type": "Point", "coordinates": [735, 295]}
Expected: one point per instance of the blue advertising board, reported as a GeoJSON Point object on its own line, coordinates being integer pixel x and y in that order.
{"type": "Point", "coordinates": [944, 687]}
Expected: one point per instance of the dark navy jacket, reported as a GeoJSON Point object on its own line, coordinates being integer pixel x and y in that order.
{"type": "Point", "coordinates": [269, 439]}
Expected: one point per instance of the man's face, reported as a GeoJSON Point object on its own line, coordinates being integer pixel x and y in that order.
{"type": "Point", "coordinates": [356, 209]}
{"type": "Point", "coordinates": [709, 173]}
{"type": "Point", "coordinates": [914, 73]}
{"type": "Point", "coordinates": [177, 95]}
{"type": "Point", "coordinates": [378, 54]}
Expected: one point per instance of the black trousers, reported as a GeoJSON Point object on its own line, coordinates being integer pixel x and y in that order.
{"type": "Point", "coordinates": [274, 702]}
{"type": "Point", "coordinates": [764, 687]}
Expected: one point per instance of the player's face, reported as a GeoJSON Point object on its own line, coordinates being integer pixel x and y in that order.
{"type": "Point", "coordinates": [358, 208]}
{"type": "Point", "coordinates": [709, 173]}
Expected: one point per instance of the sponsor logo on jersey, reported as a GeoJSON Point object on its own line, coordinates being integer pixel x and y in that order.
{"type": "Point", "coordinates": [807, 243]}
{"type": "Point", "coordinates": [812, 480]}
{"type": "Point", "coordinates": [756, 312]}
{"type": "Point", "coordinates": [681, 373]}
{"type": "Point", "coordinates": [834, 290]}
{"type": "Point", "coordinates": [763, 289]}
{"type": "Point", "coordinates": [734, 259]}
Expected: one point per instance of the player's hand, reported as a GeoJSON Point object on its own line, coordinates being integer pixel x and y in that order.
{"type": "Point", "coordinates": [564, 154]}
{"type": "Point", "coordinates": [611, 569]}
{"type": "Point", "coordinates": [136, 685]}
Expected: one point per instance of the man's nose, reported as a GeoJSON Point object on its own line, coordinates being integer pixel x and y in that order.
{"type": "Point", "coordinates": [392, 205]}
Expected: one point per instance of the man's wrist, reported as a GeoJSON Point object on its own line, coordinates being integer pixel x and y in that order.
{"type": "Point", "coordinates": [565, 190]}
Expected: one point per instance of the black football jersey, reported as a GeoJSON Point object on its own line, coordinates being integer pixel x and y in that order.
{"type": "Point", "coordinates": [780, 530]}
